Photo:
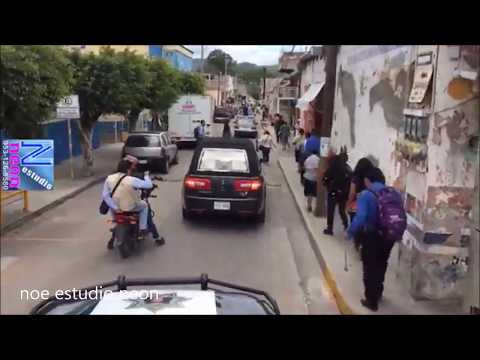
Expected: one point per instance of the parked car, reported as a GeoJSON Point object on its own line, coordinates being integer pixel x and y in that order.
{"type": "Point", "coordinates": [225, 176]}
{"type": "Point", "coordinates": [154, 150]}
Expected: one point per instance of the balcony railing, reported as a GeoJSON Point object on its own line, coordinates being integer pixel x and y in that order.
{"type": "Point", "coordinates": [288, 92]}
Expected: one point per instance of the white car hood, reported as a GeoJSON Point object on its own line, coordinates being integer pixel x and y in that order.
{"type": "Point", "coordinates": [157, 302]}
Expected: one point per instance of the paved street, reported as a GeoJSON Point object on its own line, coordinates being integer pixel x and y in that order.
{"type": "Point", "coordinates": [66, 247]}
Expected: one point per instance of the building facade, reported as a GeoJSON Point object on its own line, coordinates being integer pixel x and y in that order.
{"type": "Point", "coordinates": [312, 79]}
{"type": "Point", "coordinates": [421, 105]}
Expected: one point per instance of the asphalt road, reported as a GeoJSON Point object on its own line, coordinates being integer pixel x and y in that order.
{"type": "Point", "coordinates": [66, 248]}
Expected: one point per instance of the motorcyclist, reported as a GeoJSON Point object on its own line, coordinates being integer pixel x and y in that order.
{"type": "Point", "coordinates": [127, 197]}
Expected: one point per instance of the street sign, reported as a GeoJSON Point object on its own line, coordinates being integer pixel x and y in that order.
{"type": "Point", "coordinates": [68, 108]}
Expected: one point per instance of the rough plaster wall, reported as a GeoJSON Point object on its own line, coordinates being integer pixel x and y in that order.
{"type": "Point", "coordinates": [369, 100]}
{"type": "Point", "coordinates": [456, 117]}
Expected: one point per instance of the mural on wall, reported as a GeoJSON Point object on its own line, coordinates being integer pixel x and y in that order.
{"type": "Point", "coordinates": [449, 210]}
{"type": "Point", "coordinates": [347, 87]}
{"type": "Point", "coordinates": [437, 276]}
{"type": "Point", "coordinates": [453, 133]}
{"type": "Point", "coordinates": [390, 97]}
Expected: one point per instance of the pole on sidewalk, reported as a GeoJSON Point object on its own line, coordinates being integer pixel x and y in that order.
{"type": "Point", "coordinates": [326, 124]}
{"type": "Point", "coordinates": [264, 82]}
{"type": "Point", "coordinates": [70, 148]}
{"type": "Point", "coordinates": [116, 131]}
{"type": "Point", "coordinates": [202, 59]}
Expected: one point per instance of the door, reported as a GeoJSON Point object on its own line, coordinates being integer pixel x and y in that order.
{"type": "Point", "coordinates": [172, 148]}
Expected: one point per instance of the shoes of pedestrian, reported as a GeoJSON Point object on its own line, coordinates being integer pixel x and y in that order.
{"type": "Point", "coordinates": [160, 242]}
{"type": "Point", "coordinates": [369, 305]}
{"type": "Point", "coordinates": [142, 235]}
{"type": "Point", "coordinates": [328, 232]}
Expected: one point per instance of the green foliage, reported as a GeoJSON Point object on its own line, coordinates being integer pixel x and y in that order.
{"type": "Point", "coordinates": [164, 88]}
{"type": "Point", "coordinates": [190, 83]}
{"type": "Point", "coordinates": [216, 59]}
{"type": "Point", "coordinates": [34, 78]}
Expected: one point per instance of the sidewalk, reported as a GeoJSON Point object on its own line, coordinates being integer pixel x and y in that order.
{"type": "Point", "coordinates": [347, 286]}
{"type": "Point", "coordinates": [105, 160]}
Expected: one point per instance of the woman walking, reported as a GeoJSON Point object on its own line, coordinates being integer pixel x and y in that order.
{"type": "Point", "coordinates": [284, 133]}
{"type": "Point", "coordinates": [265, 145]}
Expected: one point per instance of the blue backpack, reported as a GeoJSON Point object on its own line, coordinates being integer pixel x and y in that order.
{"type": "Point", "coordinates": [392, 218]}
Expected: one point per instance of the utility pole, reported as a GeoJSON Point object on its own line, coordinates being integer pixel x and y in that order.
{"type": "Point", "coordinates": [202, 58]}
{"type": "Point", "coordinates": [218, 90]}
{"type": "Point", "coordinates": [264, 82]}
{"type": "Point", "coordinates": [327, 119]}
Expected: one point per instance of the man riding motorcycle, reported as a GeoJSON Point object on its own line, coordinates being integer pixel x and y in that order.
{"type": "Point", "coordinates": [127, 197]}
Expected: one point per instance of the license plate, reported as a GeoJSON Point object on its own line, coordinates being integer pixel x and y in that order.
{"type": "Point", "coordinates": [221, 205]}
{"type": "Point", "coordinates": [142, 161]}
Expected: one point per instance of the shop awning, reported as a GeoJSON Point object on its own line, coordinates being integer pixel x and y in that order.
{"type": "Point", "coordinates": [310, 95]}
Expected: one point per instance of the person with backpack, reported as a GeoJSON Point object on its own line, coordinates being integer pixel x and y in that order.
{"type": "Point", "coordinates": [337, 182]}
{"type": "Point", "coordinates": [380, 221]}
{"type": "Point", "coordinates": [357, 185]}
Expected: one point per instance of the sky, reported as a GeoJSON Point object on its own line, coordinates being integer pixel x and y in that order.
{"type": "Point", "coordinates": [257, 54]}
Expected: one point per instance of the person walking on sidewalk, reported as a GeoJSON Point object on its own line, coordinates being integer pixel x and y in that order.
{"type": "Point", "coordinates": [265, 145]}
{"type": "Point", "coordinates": [357, 185]}
{"type": "Point", "coordinates": [277, 124]}
{"type": "Point", "coordinates": [375, 249]}
{"type": "Point", "coordinates": [311, 165]}
{"type": "Point", "coordinates": [284, 134]}
{"type": "Point", "coordinates": [337, 182]}
{"type": "Point", "coordinates": [302, 156]}
{"type": "Point", "coordinates": [313, 142]}
{"type": "Point", "coordinates": [298, 143]}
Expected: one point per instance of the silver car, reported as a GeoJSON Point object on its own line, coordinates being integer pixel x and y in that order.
{"type": "Point", "coordinates": [154, 150]}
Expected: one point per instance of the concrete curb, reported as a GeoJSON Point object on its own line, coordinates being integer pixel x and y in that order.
{"type": "Point", "coordinates": [34, 214]}
{"type": "Point", "coordinates": [342, 305]}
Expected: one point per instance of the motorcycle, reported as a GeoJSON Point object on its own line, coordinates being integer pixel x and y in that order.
{"type": "Point", "coordinates": [125, 233]}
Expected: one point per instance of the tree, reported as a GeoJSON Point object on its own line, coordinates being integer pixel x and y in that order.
{"type": "Point", "coordinates": [190, 83]}
{"type": "Point", "coordinates": [217, 60]}
{"type": "Point", "coordinates": [34, 78]}
{"type": "Point", "coordinates": [164, 88]}
{"type": "Point", "coordinates": [107, 83]}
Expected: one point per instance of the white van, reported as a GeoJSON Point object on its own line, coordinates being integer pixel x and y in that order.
{"type": "Point", "coordinates": [185, 115]}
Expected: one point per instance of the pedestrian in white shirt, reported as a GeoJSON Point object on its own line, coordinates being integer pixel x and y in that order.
{"type": "Point", "coordinates": [311, 166]}
{"type": "Point", "coordinates": [265, 145]}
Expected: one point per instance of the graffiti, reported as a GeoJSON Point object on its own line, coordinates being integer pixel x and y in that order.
{"type": "Point", "coordinates": [391, 99]}
{"type": "Point", "coordinates": [347, 87]}
{"type": "Point", "coordinates": [449, 208]}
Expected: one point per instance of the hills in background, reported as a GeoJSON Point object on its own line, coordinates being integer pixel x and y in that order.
{"type": "Point", "coordinates": [239, 67]}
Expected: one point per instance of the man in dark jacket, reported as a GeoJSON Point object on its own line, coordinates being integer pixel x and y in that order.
{"type": "Point", "coordinates": [337, 182]}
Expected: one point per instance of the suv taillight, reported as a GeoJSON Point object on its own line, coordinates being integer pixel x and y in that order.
{"type": "Point", "coordinates": [247, 185]}
{"type": "Point", "coordinates": [194, 183]}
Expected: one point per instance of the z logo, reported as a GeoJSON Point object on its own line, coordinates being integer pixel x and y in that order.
{"type": "Point", "coordinates": [32, 157]}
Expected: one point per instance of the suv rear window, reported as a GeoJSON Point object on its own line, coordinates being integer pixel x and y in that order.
{"type": "Point", "coordinates": [142, 141]}
{"type": "Point", "coordinates": [223, 160]}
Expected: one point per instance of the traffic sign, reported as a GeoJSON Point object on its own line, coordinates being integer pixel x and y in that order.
{"type": "Point", "coordinates": [68, 108]}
